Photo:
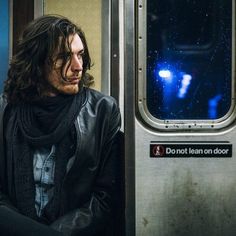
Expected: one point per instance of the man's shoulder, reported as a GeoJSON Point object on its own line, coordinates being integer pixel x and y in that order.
{"type": "Point", "coordinates": [94, 96]}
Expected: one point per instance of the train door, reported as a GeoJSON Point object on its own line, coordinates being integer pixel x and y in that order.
{"type": "Point", "coordinates": [179, 70]}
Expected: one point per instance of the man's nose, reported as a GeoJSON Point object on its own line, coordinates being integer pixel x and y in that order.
{"type": "Point", "coordinates": [76, 64]}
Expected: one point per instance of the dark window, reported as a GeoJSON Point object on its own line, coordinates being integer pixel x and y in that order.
{"type": "Point", "coordinates": [189, 58]}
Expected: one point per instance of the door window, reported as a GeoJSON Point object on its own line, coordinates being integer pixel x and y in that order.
{"type": "Point", "coordinates": [188, 60]}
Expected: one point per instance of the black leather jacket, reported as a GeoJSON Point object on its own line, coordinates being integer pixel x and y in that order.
{"type": "Point", "coordinates": [90, 180]}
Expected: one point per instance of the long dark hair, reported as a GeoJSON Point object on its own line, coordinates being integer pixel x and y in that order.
{"type": "Point", "coordinates": [36, 51]}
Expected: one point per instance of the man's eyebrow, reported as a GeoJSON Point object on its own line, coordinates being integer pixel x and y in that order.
{"type": "Point", "coordinates": [81, 51]}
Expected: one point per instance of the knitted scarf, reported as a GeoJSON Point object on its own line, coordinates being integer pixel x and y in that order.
{"type": "Point", "coordinates": [48, 122]}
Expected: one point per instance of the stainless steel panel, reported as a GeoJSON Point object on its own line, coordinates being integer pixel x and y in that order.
{"type": "Point", "coordinates": [129, 99]}
{"type": "Point", "coordinates": [184, 196]}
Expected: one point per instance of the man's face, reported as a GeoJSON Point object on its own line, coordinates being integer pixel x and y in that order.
{"type": "Point", "coordinates": [72, 71]}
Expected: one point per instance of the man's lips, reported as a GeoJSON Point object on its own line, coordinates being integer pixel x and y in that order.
{"type": "Point", "coordinates": [72, 80]}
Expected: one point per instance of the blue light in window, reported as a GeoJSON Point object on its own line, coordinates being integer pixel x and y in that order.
{"type": "Point", "coordinates": [165, 74]}
{"type": "Point", "coordinates": [212, 106]}
{"type": "Point", "coordinates": [185, 83]}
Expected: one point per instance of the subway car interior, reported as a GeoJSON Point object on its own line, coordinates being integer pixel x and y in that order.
{"type": "Point", "coordinates": [170, 64]}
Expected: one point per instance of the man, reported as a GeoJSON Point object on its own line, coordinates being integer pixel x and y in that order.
{"type": "Point", "coordinates": [58, 138]}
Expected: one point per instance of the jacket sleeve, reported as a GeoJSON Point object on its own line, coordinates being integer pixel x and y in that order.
{"type": "Point", "coordinates": [13, 223]}
{"type": "Point", "coordinates": [94, 216]}
{"type": "Point", "coordinates": [3, 198]}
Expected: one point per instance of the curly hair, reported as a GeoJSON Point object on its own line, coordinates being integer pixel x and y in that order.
{"type": "Point", "coordinates": [36, 51]}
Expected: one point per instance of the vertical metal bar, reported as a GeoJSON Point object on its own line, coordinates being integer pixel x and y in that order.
{"type": "Point", "coordinates": [115, 75]}
{"type": "Point", "coordinates": [129, 113]}
{"type": "Point", "coordinates": [106, 47]}
{"type": "Point", "coordinates": [38, 8]}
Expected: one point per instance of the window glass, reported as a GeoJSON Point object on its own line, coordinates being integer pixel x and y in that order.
{"type": "Point", "coordinates": [189, 59]}
{"type": "Point", "coordinates": [4, 41]}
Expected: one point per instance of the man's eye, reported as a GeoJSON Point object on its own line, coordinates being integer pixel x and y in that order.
{"type": "Point", "coordinates": [80, 55]}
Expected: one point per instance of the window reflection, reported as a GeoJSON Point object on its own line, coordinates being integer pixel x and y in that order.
{"type": "Point", "coordinates": [189, 58]}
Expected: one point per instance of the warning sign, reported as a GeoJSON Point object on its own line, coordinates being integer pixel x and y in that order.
{"type": "Point", "coordinates": [160, 150]}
